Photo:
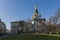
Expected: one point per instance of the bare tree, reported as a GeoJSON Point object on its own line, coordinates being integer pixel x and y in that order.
{"type": "Point", "coordinates": [56, 18]}
{"type": "Point", "coordinates": [58, 15]}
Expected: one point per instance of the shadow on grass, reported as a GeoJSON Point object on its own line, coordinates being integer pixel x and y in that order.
{"type": "Point", "coordinates": [32, 37]}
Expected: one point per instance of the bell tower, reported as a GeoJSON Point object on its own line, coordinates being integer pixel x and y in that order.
{"type": "Point", "coordinates": [36, 13]}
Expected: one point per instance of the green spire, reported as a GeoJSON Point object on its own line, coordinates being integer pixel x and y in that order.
{"type": "Point", "coordinates": [36, 13]}
{"type": "Point", "coordinates": [36, 9]}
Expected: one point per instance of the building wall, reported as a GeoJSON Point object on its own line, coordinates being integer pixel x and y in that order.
{"type": "Point", "coordinates": [2, 27]}
{"type": "Point", "coordinates": [14, 27]}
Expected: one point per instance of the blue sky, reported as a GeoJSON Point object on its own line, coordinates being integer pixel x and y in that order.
{"type": "Point", "coordinates": [14, 10]}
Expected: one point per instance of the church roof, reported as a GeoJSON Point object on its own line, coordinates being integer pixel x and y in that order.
{"type": "Point", "coordinates": [36, 13]}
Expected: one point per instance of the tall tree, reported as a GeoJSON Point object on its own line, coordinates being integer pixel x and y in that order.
{"type": "Point", "coordinates": [58, 15]}
{"type": "Point", "coordinates": [56, 18]}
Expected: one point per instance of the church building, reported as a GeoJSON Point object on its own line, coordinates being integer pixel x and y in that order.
{"type": "Point", "coordinates": [35, 24]}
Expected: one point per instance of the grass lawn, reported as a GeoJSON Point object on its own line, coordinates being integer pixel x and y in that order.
{"type": "Point", "coordinates": [32, 37]}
